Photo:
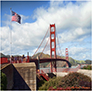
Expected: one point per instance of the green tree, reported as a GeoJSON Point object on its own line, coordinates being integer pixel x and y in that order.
{"type": "Point", "coordinates": [3, 81]}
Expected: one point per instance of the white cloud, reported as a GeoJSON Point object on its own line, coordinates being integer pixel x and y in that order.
{"type": "Point", "coordinates": [69, 16]}
{"type": "Point", "coordinates": [76, 50]}
{"type": "Point", "coordinates": [77, 34]}
{"type": "Point", "coordinates": [80, 52]}
{"type": "Point", "coordinates": [23, 18]}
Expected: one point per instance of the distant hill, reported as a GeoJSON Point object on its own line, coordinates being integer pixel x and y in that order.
{"type": "Point", "coordinates": [60, 63]}
{"type": "Point", "coordinates": [42, 55]}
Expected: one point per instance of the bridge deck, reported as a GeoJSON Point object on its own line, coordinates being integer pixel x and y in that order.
{"type": "Point", "coordinates": [49, 60]}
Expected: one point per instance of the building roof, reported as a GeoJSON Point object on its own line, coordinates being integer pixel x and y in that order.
{"type": "Point", "coordinates": [2, 55]}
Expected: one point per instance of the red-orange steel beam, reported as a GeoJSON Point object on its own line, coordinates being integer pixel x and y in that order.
{"type": "Point", "coordinates": [51, 48]}
{"type": "Point", "coordinates": [66, 54]}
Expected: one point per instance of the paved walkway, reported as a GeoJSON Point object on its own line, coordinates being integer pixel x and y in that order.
{"type": "Point", "coordinates": [85, 72]}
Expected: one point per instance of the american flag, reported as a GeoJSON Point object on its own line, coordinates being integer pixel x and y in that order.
{"type": "Point", "coordinates": [16, 17]}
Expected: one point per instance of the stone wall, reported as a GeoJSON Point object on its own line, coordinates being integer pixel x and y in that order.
{"type": "Point", "coordinates": [25, 76]}
{"type": "Point", "coordinates": [8, 70]}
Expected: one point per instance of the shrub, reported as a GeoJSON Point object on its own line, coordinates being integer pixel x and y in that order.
{"type": "Point", "coordinates": [88, 67]}
{"type": "Point", "coordinates": [40, 83]}
{"type": "Point", "coordinates": [72, 79]}
{"type": "Point", "coordinates": [51, 83]}
{"type": "Point", "coordinates": [3, 81]}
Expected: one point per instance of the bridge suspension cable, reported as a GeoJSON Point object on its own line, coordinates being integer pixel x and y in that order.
{"type": "Point", "coordinates": [59, 45]}
{"type": "Point", "coordinates": [44, 47]}
{"type": "Point", "coordinates": [41, 43]}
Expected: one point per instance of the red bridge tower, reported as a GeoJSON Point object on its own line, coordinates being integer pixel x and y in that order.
{"type": "Point", "coordinates": [66, 54]}
{"type": "Point", "coordinates": [53, 46]}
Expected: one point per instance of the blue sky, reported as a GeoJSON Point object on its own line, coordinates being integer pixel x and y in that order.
{"type": "Point", "coordinates": [25, 8]}
{"type": "Point", "coordinates": [72, 20]}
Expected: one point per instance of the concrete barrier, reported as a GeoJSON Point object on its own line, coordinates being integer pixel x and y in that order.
{"type": "Point", "coordinates": [62, 74]}
{"type": "Point", "coordinates": [25, 76]}
{"type": "Point", "coordinates": [20, 76]}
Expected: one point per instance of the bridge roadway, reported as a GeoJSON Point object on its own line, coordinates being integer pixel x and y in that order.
{"type": "Point", "coordinates": [48, 60]}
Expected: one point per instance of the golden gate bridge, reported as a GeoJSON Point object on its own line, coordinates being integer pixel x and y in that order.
{"type": "Point", "coordinates": [53, 56]}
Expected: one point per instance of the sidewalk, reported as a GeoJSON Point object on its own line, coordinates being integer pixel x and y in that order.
{"type": "Point", "coordinates": [86, 72]}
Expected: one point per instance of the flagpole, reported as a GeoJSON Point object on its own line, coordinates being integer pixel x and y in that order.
{"type": "Point", "coordinates": [10, 36]}
{"type": "Point", "coordinates": [16, 18]}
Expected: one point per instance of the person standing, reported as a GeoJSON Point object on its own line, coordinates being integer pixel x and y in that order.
{"type": "Point", "coordinates": [24, 59]}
